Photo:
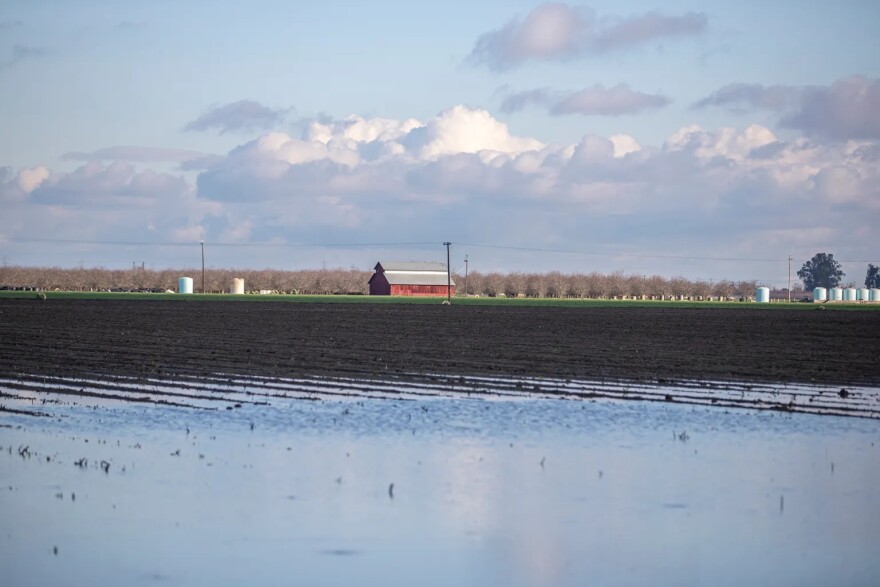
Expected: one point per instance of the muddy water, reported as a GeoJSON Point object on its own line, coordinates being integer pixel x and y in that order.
{"type": "Point", "coordinates": [501, 492]}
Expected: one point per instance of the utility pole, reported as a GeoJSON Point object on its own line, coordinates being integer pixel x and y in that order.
{"type": "Point", "coordinates": [465, 275]}
{"type": "Point", "coordinates": [789, 279]}
{"type": "Point", "coordinates": [448, 275]}
{"type": "Point", "coordinates": [203, 265]}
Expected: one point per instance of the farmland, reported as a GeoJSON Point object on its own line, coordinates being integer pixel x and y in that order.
{"type": "Point", "coordinates": [283, 431]}
{"type": "Point", "coordinates": [641, 343]}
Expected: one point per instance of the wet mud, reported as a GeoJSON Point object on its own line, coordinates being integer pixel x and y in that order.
{"type": "Point", "coordinates": [199, 350]}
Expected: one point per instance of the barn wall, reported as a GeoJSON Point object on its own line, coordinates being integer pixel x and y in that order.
{"type": "Point", "coordinates": [379, 285]}
{"type": "Point", "coordinates": [420, 290]}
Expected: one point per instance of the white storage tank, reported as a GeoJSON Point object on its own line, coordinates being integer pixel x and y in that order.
{"type": "Point", "coordinates": [835, 294]}
{"type": "Point", "coordinates": [849, 294]}
{"type": "Point", "coordinates": [820, 294]}
{"type": "Point", "coordinates": [875, 294]}
{"type": "Point", "coordinates": [864, 294]}
{"type": "Point", "coordinates": [237, 286]}
{"type": "Point", "coordinates": [762, 295]}
{"type": "Point", "coordinates": [185, 285]}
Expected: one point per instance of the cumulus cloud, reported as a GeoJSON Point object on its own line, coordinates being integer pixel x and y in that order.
{"type": "Point", "coordinates": [355, 140]}
{"type": "Point", "coordinates": [243, 115]}
{"type": "Point", "coordinates": [847, 109]}
{"type": "Point", "coordinates": [98, 185]}
{"type": "Point", "coordinates": [15, 187]}
{"type": "Point", "coordinates": [556, 31]}
{"type": "Point", "coordinates": [464, 176]}
{"type": "Point", "coordinates": [136, 154]}
{"type": "Point", "coordinates": [30, 178]}
{"type": "Point", "coordinates": [465, 130]}
{"type": "Point", "coordinates": [113, 202]}
{"type": "Point", "coordinates": [709, 184]}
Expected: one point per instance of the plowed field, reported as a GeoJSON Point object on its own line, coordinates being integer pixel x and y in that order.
{"type": "Point", "coordinates": [184, 341]}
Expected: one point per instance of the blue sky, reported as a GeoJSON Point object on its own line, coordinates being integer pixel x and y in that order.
{"type": "Point", "coordinates": [674, 129]}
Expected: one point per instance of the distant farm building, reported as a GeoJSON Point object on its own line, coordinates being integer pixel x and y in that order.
{"type": "Point", "coordinates": [410, 279]}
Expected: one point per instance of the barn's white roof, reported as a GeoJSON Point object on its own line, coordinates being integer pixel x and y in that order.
{"type": "Point", "coordinates": [410, 266]}
{"type": "Point", "coordinates": [409, 273]}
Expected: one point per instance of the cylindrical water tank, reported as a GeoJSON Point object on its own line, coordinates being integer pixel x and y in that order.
{"type": "Point", "coordinates": [849, 294]}
{"type": "Point", "coordinates": [875, 294]}
{"type": "Point", "coordinates": [820, 294]}
{"type": "Point", "coordinates": [864, 294]}
{"type": "Point", "coordinates": [237, 286]}
{"type": "Point", "coordinates": [835, 294]}
{"type": "Point", "coordinates": [762, 295]}
{"type": "Point", "coordinates": [185, 285]}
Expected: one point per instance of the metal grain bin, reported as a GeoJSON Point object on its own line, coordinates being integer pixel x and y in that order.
{"type": "Point", "coordinates": [762, 295]}
{"type": "Point", "coordinates": [237, 286]}
{"type": "Point", "coordinates": [864, 294]}
{"type": "Point", "coordinates": [835, 294]}
{"type": "Point", "coordinates": [875, 294]}
{"type": "Point", "coordinates": [185, 285]}
{"type": "Point", "coordinates": [820, 294]}
{"type": "Point", "coordinates": [849, 294]}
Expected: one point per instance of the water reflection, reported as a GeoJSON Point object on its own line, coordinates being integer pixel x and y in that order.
{"type": "Point", "coordinates": [517, 493]}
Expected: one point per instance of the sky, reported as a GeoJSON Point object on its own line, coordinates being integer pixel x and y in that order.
{"type": "Point", "coordinates": [705, 139]}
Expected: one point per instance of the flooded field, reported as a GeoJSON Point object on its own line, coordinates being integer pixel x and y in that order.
{"type": "Point", "coordinates": [217, 443]}
{"type": "Point", "coordinates": [439, 491]}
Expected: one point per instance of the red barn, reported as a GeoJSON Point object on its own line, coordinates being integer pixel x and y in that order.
{"type": "Point", "coordinates": [410, 279]}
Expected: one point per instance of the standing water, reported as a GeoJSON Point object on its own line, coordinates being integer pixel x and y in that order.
{"type": "Point", "coordinates": [438, 492]}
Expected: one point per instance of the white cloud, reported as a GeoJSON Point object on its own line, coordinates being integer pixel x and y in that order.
{"type": "Point", "coordinates": [464, 176]}
{"type": "Point", "coordinates": [556, 31]}
{"type": "Point", "coordinates": [707, 183]}
{"type": "Point", "coordinates": [340, 147]}
{"type": "Point", "coordinates": [725, 142]}
{"type": "Point", "coordinates": [30, 178]}
{"type": "Point", "coordinates": [624, 145]}
{"type": "Point", "coordinates": [465, 130]}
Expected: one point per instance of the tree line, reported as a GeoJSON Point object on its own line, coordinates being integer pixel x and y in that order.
{"type": "Point", "coordinates": [352, 281]}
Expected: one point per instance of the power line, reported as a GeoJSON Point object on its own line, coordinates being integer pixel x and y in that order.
{"type": "Point", "coordinates": [615, 254]}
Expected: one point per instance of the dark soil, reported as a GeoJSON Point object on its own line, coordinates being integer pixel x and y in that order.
{"type": "Point", "coordinates": [165, 339]}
